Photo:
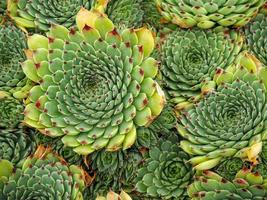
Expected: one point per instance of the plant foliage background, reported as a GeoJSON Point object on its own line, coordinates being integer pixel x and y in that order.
{"type": "Point", "coordinates": [133, 99]}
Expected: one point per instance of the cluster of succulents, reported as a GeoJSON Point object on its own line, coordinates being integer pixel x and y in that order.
{"type": "Point", "coordinates": [133, 99]}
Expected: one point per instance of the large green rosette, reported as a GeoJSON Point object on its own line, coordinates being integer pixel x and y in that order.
{"type": "Point", "coordinates": [230, 121]}
{"type": "Point", "coordinates": [166, 172]}
{"type": "Point", "coordinates": [94, 86]}
{"type": "Point", "coordinates": [190, 58]}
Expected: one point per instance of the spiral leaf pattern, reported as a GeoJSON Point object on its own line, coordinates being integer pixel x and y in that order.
{"type": "Point", "coordinates": [165, 173]}
{"type": "Point", "coordinates": [229, 167]}
{"type": "Point", "coordinates": [125, 13]}
{"type": "Point", "coordinates": [94, 85]}
{"type": "Point", "coordinates": [230, 120]}
{"type": "Point", "coordinates": [191, 58]}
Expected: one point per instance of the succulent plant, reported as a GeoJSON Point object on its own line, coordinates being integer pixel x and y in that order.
{"type": "Point", "coordinates": [3, 6]}
{"type": "Point", "coordinates": [146, 137]}
{"type": "Point", "coordinates": [12, 43]}
{"type": "Point", "coordinates": [42, 14]}
{"type": "Point", "coordinates": [263, 154]}
{"type": "Point", "coordinates": [165, 122]}
{"type": "Point", "coordinates": [260, 168]}
{"type": "Point", "coordinates": [16, 144]}
{"type": "Point", "coordinates": [58, 147]}
{"type": "Point", "coordinates": [208, 13]}
{"type": "Point", "coordinates": [132, 99]}
{"type": "Point", "coordinates": [11, 111]}
{"type": "Point", "coordinates": [166, 172]}
{"type": "Point", "coordinates": [106, 164]}
{"type": "Point", "coordinates": [190, 58]}
{"type": "Point", "coordinates": [229, 167]}
{"type": "Point", "coordinates": [152, 17]}
{"type": "Point", "coordinates": [44, 175]}
{"type": "Point", "coordinates": [114, 196]}
{"type": "Point", "coordinates": [256, 34]}
{"type": "Point", "coordinates": [229, 121]}
{"type": "Point", "coordinates": [100, 187]}
{"type": "Point", "coordinates": [94, 86]}
{"type": "Point", "coordinates": [125, 13]}
{"type": "Point", "coordinates": [246, 185]}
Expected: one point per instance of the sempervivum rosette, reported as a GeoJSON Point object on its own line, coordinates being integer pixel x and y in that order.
{"type": "Point", "coordinates": [41, 14]}
{"type": "Point", "coordinates": [230, 120]}
{"type": "Point", "coordinates": [246, 186]}
{"type": "Point", "coordinates": [165, 122]}
{"type": "Point", "coordinates": [43, 175]}
{"type": "Point", "coordinates": [152, 17]}
{"type": "Point", "coordinates": [125, 13]}
{"type": "Point", "coordinates": [208, 13]}
{"type": "Point", "coordinates": [190, 59]}
{"type": "Point", "coordinates": [16, 144]}
{"type": "Point", "coordinates": [94, 86]}
{"type": "Point", "coordinates": [146, 137]}
{"type": "Point", "coordinates": [114, 170]}
{"type": "Point", "coordinates": [256, 36]}
{"type": "Point", "coordinates": [12, 45]}
{"type": "Point", "coordinates": [166, 172]}
{"type": "Point", "coordinates": [108, 162]}
{"type": "Point", "coordinates": [229, 167]}
{"type": "Point", "coordinates": [11, 111]}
